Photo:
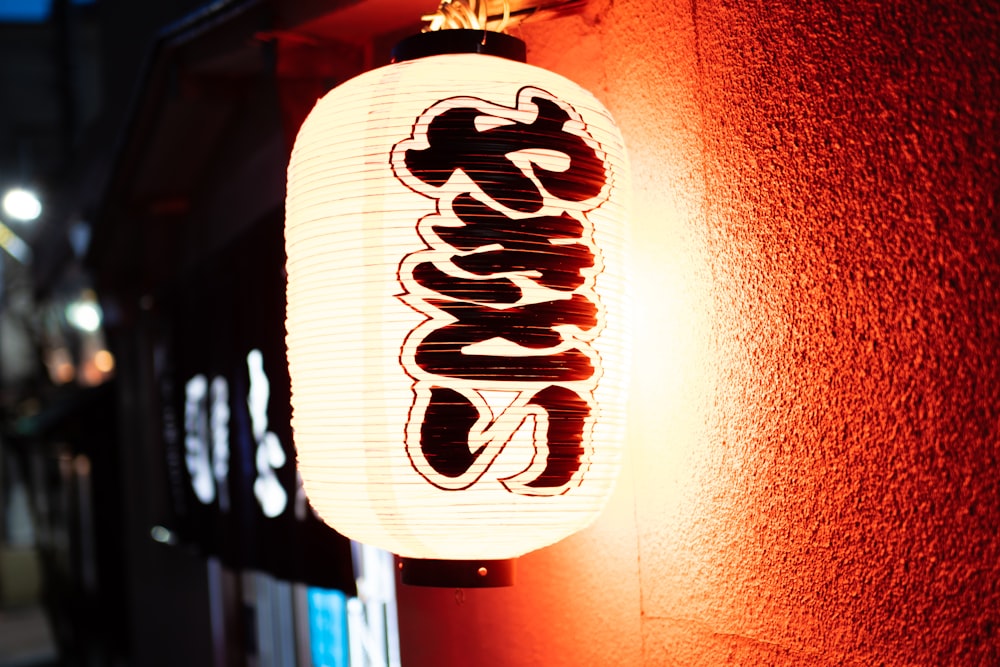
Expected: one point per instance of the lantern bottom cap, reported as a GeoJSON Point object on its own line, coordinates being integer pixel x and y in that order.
{"type": "Point", "coordinates": [457, 573]}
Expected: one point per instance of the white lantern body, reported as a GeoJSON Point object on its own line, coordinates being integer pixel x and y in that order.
{"type": "Point", "coordinates": [455, 232]}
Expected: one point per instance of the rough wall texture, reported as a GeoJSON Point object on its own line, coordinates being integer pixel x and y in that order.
{"type": "Point", "coordinates": [812, 474]}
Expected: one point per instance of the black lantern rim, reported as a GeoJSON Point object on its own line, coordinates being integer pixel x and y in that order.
{"type": "Point", "coordinates": [442, 42]}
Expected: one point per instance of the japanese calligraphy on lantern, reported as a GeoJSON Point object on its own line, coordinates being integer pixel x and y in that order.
{"type": "Point", "coordinates": [506, 282]}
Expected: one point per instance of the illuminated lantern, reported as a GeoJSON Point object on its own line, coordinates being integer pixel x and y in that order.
{"type": "Point", "coordinates": [455, 235]}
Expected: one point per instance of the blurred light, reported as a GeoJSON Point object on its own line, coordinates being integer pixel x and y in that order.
{"type": "Point", "coordinates": [79, 235]}
{"type": "Point", "coordinates": [104, 361]}
{"type": "Point", "coordinates": [162, 535]}
{"type": "Point", "coordinates": [21, 204]}
{"type": "Point", "coordinates": [81, 465]}
{"type": "Point", "coordinates": [85, 315]}
{"type": "Point", "coordinates": [59, 363]}
{"type": "Point", "coordinates": [14, 244]}
{"type": "Point", "coordinates": [25, 11]}
{"type": "Point", "coordinates": [90, 376]}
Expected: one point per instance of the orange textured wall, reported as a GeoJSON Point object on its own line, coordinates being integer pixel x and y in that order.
{"type": "Point", "coordinates": [814, 428]}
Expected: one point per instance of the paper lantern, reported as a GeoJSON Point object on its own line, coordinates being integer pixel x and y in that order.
{"type": "Point", "coordinates": [455, 232]}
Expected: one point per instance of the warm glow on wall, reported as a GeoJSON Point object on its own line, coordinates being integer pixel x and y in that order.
{"type": "Point", "coordinates": [455, 236]}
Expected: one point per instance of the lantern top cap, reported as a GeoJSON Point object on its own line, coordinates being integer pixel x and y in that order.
{"type": "Point", "coordinates": [441, 42]}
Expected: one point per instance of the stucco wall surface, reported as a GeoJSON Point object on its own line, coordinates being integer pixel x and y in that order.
{"type": "Point", "coordinates": [815, 411]}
